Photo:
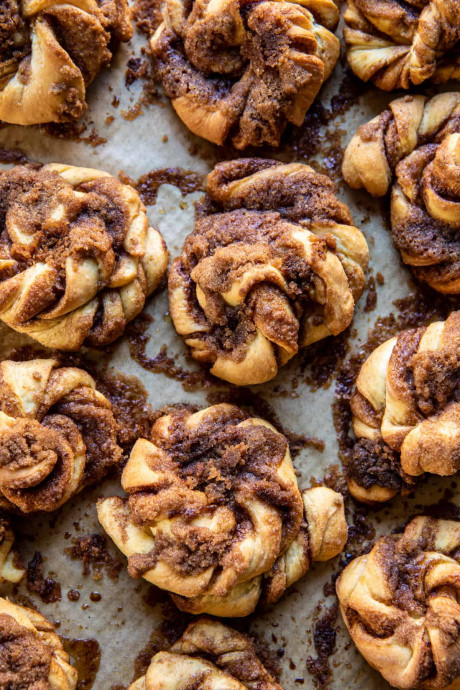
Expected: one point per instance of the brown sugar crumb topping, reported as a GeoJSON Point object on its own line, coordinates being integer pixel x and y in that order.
{"type": "Point", "coordinates": [92, 551]}
{"type": "Point", "coordinates": [24, 661]}
{"type": "Point", "coordinates": [14, 40]}
{"type": "Point", "coordinates": [374, 463]}
{"type": "Point", "coordinates": [436, 379]}
{"type": "Point", "coordinates": [59, 224]}
{"type": "Point", "coordinates": [27, 445]}
{"type": "Point", "coordinates": [28, 453]}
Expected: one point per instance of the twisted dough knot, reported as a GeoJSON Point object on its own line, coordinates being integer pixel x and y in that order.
{"type": "Point", "coordinates": [214, 513]}
{"type": "Point", "coordinates": [11, 569]}
{"type": "Point", "coordinates": [31, 654]}
{"type": "Point", "coordinates": [419, 140]}
{"type": "Point", "coordinates": [77, 255]}
{"type": "Point", "coordinates": [243, 71]}
{"type": "Point", "coordinates": [399, 44]}
{"type": "Point", "coordinates": [406, 411]}
{"type": "Point", "coordinates": [50, 51]}
{"type": "Point", "coordinates": [57, 434]}
{"type": "Point", "coordinates": [400, 603]}
{"type": "Point", "coordinates": [274, 264]}
{"type": "Point", "coordinates": [211, 656]}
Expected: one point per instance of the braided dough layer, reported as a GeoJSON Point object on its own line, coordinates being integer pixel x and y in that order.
{"type": "Point", "coordinates": [31, 654]}
{"type": "Point", "coordinates": [400, 603]}
{"type": "Point", "coordinates": [50, 51]}
{"type": "Point", "coordinates": [406, 411]}
{"type": "Point", "coordinates": [398, 44]}
{"type": "Point", "coordinates": [243, 71]}
{"type": "Point", "coordinates": [209, 656]}
{"type": "Point", "coordinates": [57, 434]}
{"type": "Point", "coordinates": [274, 264]}
{"type": "Point", "coordinates": [214, 513]}
{"type": "Point", "coordinates": [77, 255]}
{"type": "Point", "coordinates": [416, 141]}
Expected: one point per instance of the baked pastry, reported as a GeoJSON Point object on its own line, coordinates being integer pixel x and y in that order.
{"type": "Point", "coordinates": [406, 411]}
{"type": "Point", "coordinates": [419, 142]}
{"type": "Point", "coordinates": [400, 603]}
{"type": "Point", "coordinates": [400, 44]}
{"type": "Point", "coordinates": [77, 255]}
{"type": "Point", "coordinates": [241, 72]}
{"type": "Point", "coordinates": [214, 513]}
{"type": "Point", "coordinates": [51, 50]}
{"type": "Point", "coordinates": [11, 569]}
{"type": "Point", "coordinates": [57, 434]}
{"type": "Point", "coordinates": [31, 654]}
{"type": "Point", "coordinates": [212, 655]}
{"type": "Point", "coordinates": [274, 264]}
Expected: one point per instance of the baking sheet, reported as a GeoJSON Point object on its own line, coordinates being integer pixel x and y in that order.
{"type": "Point", "coordinates": [129, 614]}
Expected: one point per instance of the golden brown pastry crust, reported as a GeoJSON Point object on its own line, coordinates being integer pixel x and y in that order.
{"type": "Point", "coordinates": [400, 603]}
{"type": "Point", "coordinates": [399, 44]}
{"type": "Point", "coordinates": [11, 568]}
{"type": "Point", "coordinates": [274, 264]}
{"type": "Point", "coordinates": [417, 141]}
{"type": "Point", "coordinates": [50, 51]}
{"type": "Point", "coordinates": [57, 434]}
{"type": "Point", "coordinates": [406, 414]}
{"type": "Point", "coordinates": [242, 72]}
{"type": "Point", "coordinates": [214, 513]}
{"type": "Point", "coordinates": [209, 655]}
{"type": "Point", "coordinates": [77, 255]}
{"type": "Point", "coordinates": [31, 654]}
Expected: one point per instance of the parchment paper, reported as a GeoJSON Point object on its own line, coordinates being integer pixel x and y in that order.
{"type": "Point", "coordinates": [122, 622]}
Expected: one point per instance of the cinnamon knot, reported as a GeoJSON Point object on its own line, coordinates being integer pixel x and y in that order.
{"type": "Point", "coordinates": [78, 257]}
{"type": "Point", "coordinates": [212, 655]}
{"type": "Point", "coordinates": [400, 44]}
{"type": "Point", "coordinates": [241, 72]}
{"type": "Point", "coordinates": [406, 411]}
{"type": "Point", "coordinates": [400, 603]}
{"type": "Point", "coordinates": [57, 434]}
{"type": "Point", "coordinates": [274, 264]}
{"type": "Point", "coordinates": [50, 51]}
{"type": "Point", "coordinates": [214, 514]}
{"type": "Point", "coordinates": [416, 145]}
{"type": "Point", "coordinates": [31, 654]}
